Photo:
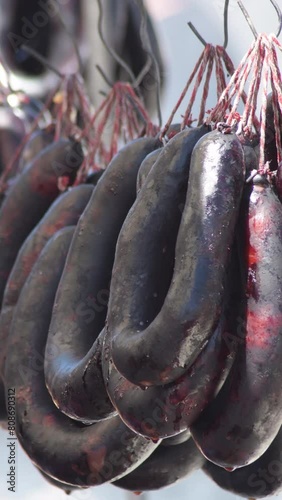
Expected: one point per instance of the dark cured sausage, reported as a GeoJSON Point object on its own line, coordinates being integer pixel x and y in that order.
{"type": "Point", "coordinates": [74, 376]}
{"type": "Point", "coordinates": [238, 427]}
{"type": "Point", "coordinates": [251, 154]}
{"type": "Point", "coordinates": [258, 480]}
{"type": "Point", "coordinates": [39, 140]}
{"type": "Point", "coordinates": [270, 139]}
{"type": "Point", "coordinates": [30, 196]}
{"type": "Point", "coordinates": [278, 183]}
{"type": "Point", "coordinates": [62, 448]}
{"type": "Point", "coordinates": [151, 158]}
{"type": "Point", "coordinates": [145, 168]}
{"type": "Point", "coordinates": [180, 438]}
{"type": "Point", "coordinates": [151, 351]}
{"type": "Point", "coordinates": [161, 411]}
{"type": "Point", "coordinates": [164, 467]}
{"type": "Point", "coordinates": [65, 211]}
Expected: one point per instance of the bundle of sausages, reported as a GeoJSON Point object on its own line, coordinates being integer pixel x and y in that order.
{"type": "Point", "coordinates": [142, 314]}
{"type": "Point", "coordinates": [141, 319]}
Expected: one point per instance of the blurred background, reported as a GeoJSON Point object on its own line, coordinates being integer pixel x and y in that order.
{"type": "Point", "coordinates": [180, 51]}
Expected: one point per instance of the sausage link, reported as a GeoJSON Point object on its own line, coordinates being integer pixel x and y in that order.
{"type": "Point", "coordinates": [62, 448]}
{"type": "Point", "coordinates": [156, 350]}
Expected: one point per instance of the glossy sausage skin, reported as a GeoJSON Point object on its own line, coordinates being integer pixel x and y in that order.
{"type": "Point", "coordinates": [166, 466]}
{"type": "Point", "coordinates": [260, 479]}
{"type": "Point", "coordinates": [65, 211]}
{"type": "Point", "coordinates": [153, 351]}
{"type": "Point", "coordinates": [270, 139]}
{"type": "Point", "coordinates": [30, 196]}
{"type": "Point", "coordinates": [145, 168]}
{"type": "Point", "coordinates": [74, 376]}
{"type": "Point", "coordinates": [38, 140]}
{"type": "Point", "coordinates": [238, 427]}
{"type": "Point", "coordinates": [66, 450]}
{"type": "Point", "coordinates": [151, 158]}
{"type": "Point", "coordinates": [180, 438]}
{"type": "Point", "coordinates": [162, 411]}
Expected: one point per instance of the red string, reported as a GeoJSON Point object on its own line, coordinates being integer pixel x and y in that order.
{"type": "Point", "coordinates": [208, 53]}
{"type": "Point", "coordinates": [206, 86]}
{"type": "Point", "coordinates": [220, 77]}
{"type": "Point", "coordinates": [276, 93]}
{"type": "Point", "coordinates": [183, 94]}
{"type": "Point", "coordinates": [5, 174]}
{"type": "Point", "coordinates": [251, 103]}
{"type": "Point", "coordinates": [225, 98]}
{"type": "Point", "coordinates": [265, 79]}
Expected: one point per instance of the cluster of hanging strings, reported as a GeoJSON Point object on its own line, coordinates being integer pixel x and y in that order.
{"type": "Point", "coordinates": [122, 115]}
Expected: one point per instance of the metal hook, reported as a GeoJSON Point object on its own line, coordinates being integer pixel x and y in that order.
{"type": "Point", "coordinates": [111, 51]}
{"type": "Point", "coordinates": [104, 76]}
{"type": "Point", "coordinates": [250, 23]}
{"type": "Point", "coordinates": [196, 32]}
{"type": "Point", "coordinates": [279, 14]}
{"type": "Point", "coordinates": [41, 59]}
{"type": "Point", "coordinates": [145, 43]}
{"type": "Point", "coordinates": [151, 58]}
{"type": "Point", "coordinates": [248, 19]}
{"type": "Point", "coordinates": [225, 21]}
